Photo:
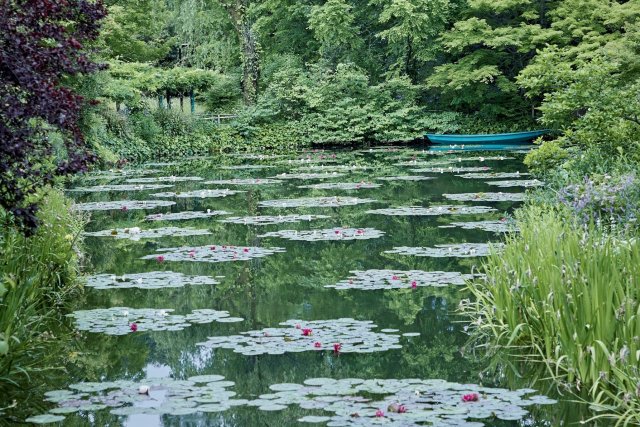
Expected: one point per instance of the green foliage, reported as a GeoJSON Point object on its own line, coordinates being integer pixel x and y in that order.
{"type": "Point", "coordinates": [569, 295]}
{"type": "Point", "coordinates": [549, 156]}
{"type": "Point", "coordinates": [38, 279]}
{"type": "Point", "coordinates": [334, 27]}
{"type": "Point", "coordinates": [224, 94]}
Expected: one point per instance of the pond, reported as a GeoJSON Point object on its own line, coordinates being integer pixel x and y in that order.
{"type": "Point", "coordinates": [318, 288]}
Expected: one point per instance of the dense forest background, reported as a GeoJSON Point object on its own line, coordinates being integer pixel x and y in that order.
{"type": "Point", "coordinates": [300, 72]}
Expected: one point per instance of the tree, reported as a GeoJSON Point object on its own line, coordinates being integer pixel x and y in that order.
{"type": "Point", "coordinates": [41, 47]}
{"type": "Point", "coordinates": [334, 27]}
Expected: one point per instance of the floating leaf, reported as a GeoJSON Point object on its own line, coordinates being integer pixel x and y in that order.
{"type": "Point", "coordinates": [178, 216]}
{"type": "Point", "coordinates": [405, 178]}
{"type": "Point", "coordinates": [118, 320]}
{"type": "Point", "coordinates": [308, 175]}
{"type": "Point", "coordinates": [327, 234]}
{"type": "Point", "coordinates": [463, 250]}
{"type": "Point", "coordinates": [122, 205]}
{"type": "Point", "coordinates": [498, 226]}
{"type": "Point", "coordinates": [135, 233]}
{"type": "Point", "coordinates": [355, 336]}
{"type": "Point", "coordinates": [501, 175]}
{"type": "Point", "coordinates": [202, 194]}
{"type": "Point", "coordinates": [269, 220]}
{"type": "Point", "coordinates": [451, 169]}
{"type": "Point", "coordinates": [120, 187]}
{"type": "Point", "coordinates": [310, 202]}
{"type": "Point", "coordinates": [341, 186]}
{"type": "Point", "coordinates": [238, 181]}
{"type": "Point", "coordinates": [486, 197]}
{"type": "Point", "coordinates": [527, 183]}
{"type": "Point", "coordinates": [164, 179]}
{"type": "Point", "coordinates": [214, 253]}
{"type": "Point", "coordinates": [396, 279]}
{"type": "Point", "coordinates": [248, 167]}
{"type": "Point", "coordinates": [432, 210]}
{"type": "Point", "coordinates": [150, 280]}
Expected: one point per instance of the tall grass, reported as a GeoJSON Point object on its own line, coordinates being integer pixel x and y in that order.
{"type": "Point", "coordinates": [37, 280]}
{"type": "Point", "coordinates": [567, 294]}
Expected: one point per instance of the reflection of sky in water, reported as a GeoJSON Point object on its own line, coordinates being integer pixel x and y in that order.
{"type": "Point", "coordinates": [152, 370]}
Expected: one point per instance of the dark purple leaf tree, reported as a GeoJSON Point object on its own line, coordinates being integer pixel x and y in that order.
{"type": "Point", "coordinates": [41, 47]}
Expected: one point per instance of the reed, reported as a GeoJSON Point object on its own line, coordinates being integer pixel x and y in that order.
{"type": "Point", "coordinates": [567, 294]}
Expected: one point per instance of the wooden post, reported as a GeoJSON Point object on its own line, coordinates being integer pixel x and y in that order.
{"type": "Point", "coordinates": [168, 100]}
{"type": "Point", "coordinates": [181, 103]}
{"type": "Point", "coordinates": [218, 118]}
{"type": "Point", "coordinates": [118, 106]}
{"type": "Point", "coordinates": [160, 101]}
{"type": "Point", "coordinates": [192, 96]}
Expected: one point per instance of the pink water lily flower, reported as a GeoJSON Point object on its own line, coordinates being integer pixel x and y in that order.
{"type": "Point", "coordinates": [337, 347]}
{"type": "Point", "coordinates": [471, 397]}
{"type": "Point", "coordinates": [124, 208]}
{"type": "Point", "coordinates": [192, 254]}
{"type": "Point", "coordinates": [133, 327]}
{"type": "Point", "coordinates": [160, 258]}
{"type": "Point", "coordinates": [213, 248]}
{"type": "Point", "coordinates": [379, 413]}
{"type": "Point", "coordinates": [394, 277]}
{"type": "Point", "coordinates": [307, 331]}
{"type": "Point", "coordinates": [414, 284]}
{"type": "Point", "coordinates": [245, 250]}
{"type": "Point", "coordinates": [317, 344]}
{"type": "Point", "coordinates": [298, 326]}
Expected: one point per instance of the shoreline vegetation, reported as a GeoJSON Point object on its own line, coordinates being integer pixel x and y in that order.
{"type": "Point", "coordinates": [121, 83]}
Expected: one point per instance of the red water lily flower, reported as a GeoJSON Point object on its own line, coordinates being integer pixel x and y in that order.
{"type": "Point", "coordinates": [337, 231]}
{"type": "Point", "coordinates": [213, 248]}
{"type": "Point", "coordinates": [160, 258]}
{"type": "Point", "coordinates": [124, 208]}
{"type": "Point", "coordinates": [414, 284]}
{"type": "Point", "coordinates": [317, 344]}
{"type": "Point", "coordinates": [337, 347]}
{"type": "Point", "coordinates": [245, 250]}
{"type": "Point", "coordinates": [307, 332]}
{"type": "Point", "coordinates": [471, 397]}
{"type": "Point", "coordinates": [402, 409]}
{"type": "Point", "coordinates": [133, 327]}
{"type": "Point", "coordinates": [379, 413]}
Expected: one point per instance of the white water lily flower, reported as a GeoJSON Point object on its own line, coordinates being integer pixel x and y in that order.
{"type": "Point", "coordinates": [134, 230]}
{"type": "Point", "coordinates": [143, 389]}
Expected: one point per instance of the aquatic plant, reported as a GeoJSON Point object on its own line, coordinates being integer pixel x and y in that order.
{"type": "Point", "coordinates": [496, 175]}
{"type": "Point", "coordinates": [122, 205]}
{"type": "Point", "coordinates": [451, 169]}
{"type": "Point", "coordinates": [432, 210]}
{"type": "Point", "coordinates": [311, 202]}
{"type": "Point", "coordinates": [405, 178]}
{"type": "Point", "coordinates": [327, 175]}
{"type": "Point", "coordinates": [486, 197]}
{"type": "Point", "coordinates": [333, 234]}
{"type": "Point", "coordinates": [164, 179]}
{"type": "Point", "coordinates": [527, 183]}
{"type": "Point", "coordinates": [503, 225]}
{"type": "Point", "coordinates": [270, 220]}
{"type": "Point", "coordinates": [202, 194]}
{"type": "Point", "coordinates": [135, 233]}
{"type": "Point", "coordinates": [117, 320]}
{"type": "Point", "coordinates": [341, 186]}
{"type": "Point", "coordinates": [396, 279]}
{"type": "Point", "coordinates": [149, 280]}
{"type": "Point", "coordinates": [356, 336]}
{"type": "Point", "coordinates": [249, 167]}
{"type": "Point", "coordinates": [247, 181]}
{"type": "Point", "coordinates": [180, 216]}
{"type": "Point", "coordinates": [213, 253]}
{"type": "Point", "coordinates": [119, 187]}
{"type": "Point", "coordinates": [462, 250]}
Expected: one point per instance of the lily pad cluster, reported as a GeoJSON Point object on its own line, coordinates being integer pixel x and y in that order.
{"type": "Point", "coordinates": [314, 202]}
{"type": "Point", "coordinates": [327, 234]}
{"type": "Point", "coordinates": [117, 173]}
{"type": "Point", "coordinates": [180, 216]}
{"type": "Point", "coordinates": [341, 186]}
{"type": "Point", "coordinates": [352, 336]}
{"type": "Point", "coordinates": [121, 320]}
{"type": "Point", "coordinates": [486, 197]}
{"type": "Point", "coordinates": [496, 175]}
{"type": "Point", "coordinates": [247, 181]}
{"type": "Point", "coordinates": [152, 396]}
{"type": "Point", "coordinates": [497, 226]}
{"type": "Point", "coordinates": [212, 253]}
{"type": "Point", "coordinates": [401, 402]}
{"type": "Point", "coordinates": [202, 194]}
{"type": "Point", "coordinates": [527, 183]}
{"type": "Point", "coordinates": [135, 233]}
{"type": "Point", "coordinates": [325, 175]}
{"type": "Point", "coordinates": [149, 280]}
{"type": "Point", "coordinates": [432, 210]}
{"type": "Point", "coordinates": [123, 205]}
{"type": "Point", "coordinates": [270, 220]}
{"type": "Point", "coordinates": [452, 169]}
{"type": "Point", "coordinates": [405, 178]}
{"type": "Point", "coordinates": [337, 168]}
{"type": "Point", "coordinates": [247, 167]}
{"type": "Point", "coordinates": [164, 179]}
{"type": "Point", "coordinates": [119, 187]}
{"type": "Point", "coordinates": [462, 250]}
{"type": "Point", "coordinates": [483, 158]}
{"type": "Point", "coordinates": [396, 279]}
{"type": "Point", "coordinates": [426, 164]}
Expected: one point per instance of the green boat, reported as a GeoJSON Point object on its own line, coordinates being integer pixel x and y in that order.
{"type": "Point", "coordinates": [494, 138]}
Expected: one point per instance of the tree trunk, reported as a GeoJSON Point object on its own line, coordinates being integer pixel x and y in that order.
{"type": "Point", "coordinates": [182, 103]}
{"type": "Point", "coordinates": [168, 100]}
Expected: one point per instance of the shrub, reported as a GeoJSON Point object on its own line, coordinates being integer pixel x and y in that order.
{"type": "Point", "coordinates": [37, 281]}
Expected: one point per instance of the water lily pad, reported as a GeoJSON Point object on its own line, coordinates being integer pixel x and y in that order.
{"type": "Point", "coordinates": [497, 226]}
{"type": "Point", "coordinates": [426, 164]}
{"type": "Point", "coordinates": [451, 169]}
{"type": "Point", "coordinates": [350, 336]}
{"type": "Point", "coordinates": [327, 234]}
{"type": "Point", "coordinates": [527, 183]}
{"type": "Point", "coordinates": [179, 216]}
{"type": "Point", "coordinates": [269, 220]}
{"type": "Point", "coordinates": [497, 175]}
{"type": "Point", "coordinates": [463, 250]}
{"type": "Point", "coordinates": [120, 187]}
{"type": "Point", "coordinates": [150, 280]}
{"type": "Point", "coordinates": [486, 197]}
{"type": "Point", "coordinates": [45, 419]}
{"type": "Point", "coordinates": [326, 175]}
{"type": "Point", "coordinates": [239, 181]}
{"type": "Point", "coordinates": [341, 186]}
{"type": "Point", "coordinates": [396, 279]}
{"type": "Point", "coordinates": [246, 167]}
{"type": "Point", "coordinates": [202, 194]}
{"type": "Point", "coordinates": [432, 210]}
{"type": "Point", "coordinates": [309, 202]}
{"type": "Point", "coordinates": [337, 168]}
{"type": "Point", "coordinates": [135, 233]}
{"type": "Point", "coordinates": [123, 205]}
{"type": "Point", "coordinates": [212, 253]}
{"type": "Point", "coordinates": [405, 178]}
{"type": "Point", "coordinates": [164, 179]}
{"type": "Point", "coordinates": [121, 320]}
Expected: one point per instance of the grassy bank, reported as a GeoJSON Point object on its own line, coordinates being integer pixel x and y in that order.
{"type": "Point", "coordinates": [38, 280]}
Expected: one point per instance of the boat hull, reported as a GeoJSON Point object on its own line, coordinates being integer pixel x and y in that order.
{"type": "Point", "coordinates": [496, 138]}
